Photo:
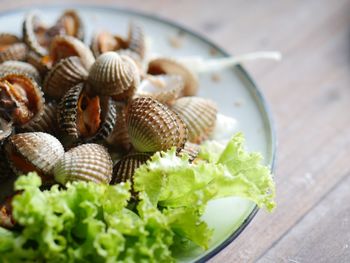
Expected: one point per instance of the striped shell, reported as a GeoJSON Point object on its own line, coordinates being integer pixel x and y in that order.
{"type": "Point", "coordinates": [104, 41]}
{"type": "Point", "coordinates": [47, 122]}
{"type": "Point", "coordinates": [124, 169]}
{"type": "Point", "coordinates": [67, 73]}
{"type": "Point", "coordinates": [169, 66]}
{"type": "Point", "coordinates": [153, 127]}
{"type": "Point", "coordinates": [33, 151]}
{"type": "Point", "coordinates": [42, 63]}
{"type": "Point", "coordinates": [74, 118]}
{"type": "Point", "coordinates": [164, 88]}
{"type": "Point", "coordinates": [71, 23]}
{"type": "Point", "coordinates": [87, 162]}
{"type": "Point", "coordinates": [5, 130]}
{"type": "Point", "coordinates": [199, 114]}
{"type": "Point", "coordinates": [68, 46]}
{"type": "Point", "coordinates": [136, 40]}
{"type": "Point", "coordinates": [11, 48]}
{"type": "Point", "coordinates": [22, 100]}
{"type": "Point", "coordinates": [119, 137]}
{"type": "Point", "coordinates": [191, 149]}
{"type": "Point", "coordinates": [113, 74]}
{"type": "Point", "coordinates": [20, 67]}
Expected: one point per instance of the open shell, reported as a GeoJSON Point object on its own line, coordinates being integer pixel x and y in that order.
{"type": "Point", "coordinates": [42, 63]}
{"type": "Point", "coordinates": [5, 130]}
{"type": "Point", "coordinates": [164, 65]}
{"type": "Point", "coordinates": [68, 46]}
{"type": "Point", "coordinates": [12, 48]}
{"type": "Point", "coordinates": [199, 114]}
{"type": "Point", "coordinates": [33, 151]}
{"type": "Point", "coordinates": [119, 137]}
{"type": "Point", "coordinates": [113, 74]}
{"type": "Point", "coordinates": [67, 73]}
{"type": "Point", "coordinates": [152, 126]}
{"type": "Point", "coordinates": [87, 162]}
{"type": "Point", "coordinates": [105, 41]}
{"type": "Point", "coordinates": [21, 99]}
{"type": "Point", "coordinates": [136, 39]}
{"type": "Point", "coordinates": [72, 24]}
{"type": "Point", "coordinates": [164, 88]}
{"type": "Point", "coordinates": [20, 67]}
{"type": "Point", "coordinates": [82, 117]}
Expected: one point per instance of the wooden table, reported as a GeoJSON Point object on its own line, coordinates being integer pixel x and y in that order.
{"type": "Point", "coordinates": [309, 93]}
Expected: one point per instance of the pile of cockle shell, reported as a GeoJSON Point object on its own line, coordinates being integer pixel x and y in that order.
{"type": "Point", "coordinates": [66, 109]}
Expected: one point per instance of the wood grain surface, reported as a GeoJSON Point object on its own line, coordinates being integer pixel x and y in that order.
{"type": "Point", "coordinates": [309, 93]}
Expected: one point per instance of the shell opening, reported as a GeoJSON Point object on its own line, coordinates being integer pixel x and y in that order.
{"type": "Point", "coordinates": [88, 115]}
{"type": "Point", "coordinates": [20, 162]}
{"type": "Point", "coordinates": [108, 42]}
{"type": "Point", "coordinates": [63, 50]}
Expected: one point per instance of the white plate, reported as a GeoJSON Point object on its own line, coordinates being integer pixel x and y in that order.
{"type": "Point", "coordinates": [235, 93]}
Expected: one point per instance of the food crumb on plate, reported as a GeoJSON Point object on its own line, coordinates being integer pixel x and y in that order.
{"type": "Point", "coordinates": [215, 77]}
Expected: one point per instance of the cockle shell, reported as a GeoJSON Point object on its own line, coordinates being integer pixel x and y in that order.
{"type": "Point", "coordinates": [152, 126]}
{"type": "Point", "coordinates": [67, 73]}
{"type": "Point", "coordinates": [33, 151]}
{"type": "Point", "coordinates": [170, 66]}
{"type": "Point", "coordinates": [199, 114]}
{"type": "Point", "coordinates": [191, 149]}
{"type": "Point", "coordinates": [5, 130]}
{"type": "Point", "coordinates": [105, 41]}
{"type": "Point", "coordinates": [68, 46]}
{"type": "Point", "coordinates": [47, 121]}
{"type": "Point", "coordinates": [20, 67]}
{"type": "Point", "coordinates": [164, 88]}
{"type": "Point", "coordinates": [113, 74]}
{"type": "Point", "coordinates": [72, 24]}
{"type": "Point", "coordinates": [87, 162]}
{"type": "Point", "coordinates": [136, 39]}
{"type": "Point", "coordinates": [124, 169]}
{"type": "Point", "coordinates": [21, 99]}
{"type": "Point", "coordinates": [42, 63]}
{"type": "Point", "coordinates": [78, 121]}
{"type": "Point", "coordinates": [12, 48]}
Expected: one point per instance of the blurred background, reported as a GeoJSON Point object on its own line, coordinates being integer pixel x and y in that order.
{"type": "Point", "coordinates": [308, 92]}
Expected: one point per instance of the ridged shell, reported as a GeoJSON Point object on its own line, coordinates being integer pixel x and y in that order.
{"type": "Point", "coordinates": [164, 88]}
{"type": "Point", "coordinates": [20, 67]}
{"type": "Point", "coordinates": [47, 122]}
{"type": "Point", "coordinates": [113, 74]}
{"type": "Point", "coordinates": [5, 130]}
{"type": "Point", "coordinates": [134, 56]}
{"type": "Point", "coordinates": [67, 73]}
{"type": "Point", "coordinates": [169, 66]}
{"type": "Point", "coordinates": [87, 162]}
{"type": "Point", "coordinates": [124, 169]}
{"type": "Point", "coordinates": [33, 94]}
{"type": "Point", "coordinates": [68, 115]}
{"type": "Point", "coordinates": [191, 149]}
{"type": "Point", "coordinates": [12, 48]}
{"type": "Point", "coordinates": [40, 151]}
{"type": "Point", "coordinates": [119, 137]}
{"type": "Point", "coordinates": [152, 126]}
{"type": "Point", "coordinates": [199, 114]}
{"type": "Point", "coordinates": [68, 46]}
{"type": "Point", "coordinates": [42, 64]}
{"type": "Point", "coordinates": [105, 41]}
{"type": "Point", "coordinates": [30, 24]}
{"type": "Point", "coordinates": [72, 24]}
{"type": "Point", "coordinates": [136, 39]}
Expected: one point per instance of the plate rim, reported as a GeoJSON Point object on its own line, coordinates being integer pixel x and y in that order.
{"type": "Point", "coordinates": [253, 89]}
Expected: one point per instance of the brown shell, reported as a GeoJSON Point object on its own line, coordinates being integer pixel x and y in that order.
{"type": "Point", "coordinates": [67, 73]}
{"type": "Point", "coordinates": [11, 48]}
{"type": "Point", "coordinates": [164, 88]}
{"type": "Point", "coordinates": [105, 41]}
{"type": "Point", "coordinates": [191, 149]}
{"type": "Point", "coordinates": [20, 67]}
{"type": "Point", "coordinates": [68, 46]}
{"type": "Point", "coordinates": [68, 116]}
{"type": "Point", "coordinates": [47, 122]}
{"type": "Point", "coordinates": [42, 64]}
{"type": "Point", "coordinates": [136, 39]}
{"type": "Point", "coordinates": [33, 96]}
{"type": "Point", "coordinates": [134, 56]}
{"type": "Point", "coordinates": [87, 162]}
{"type": "Point", "coordinates": [113, 74]}
{"type": "Point", "coordinates": [119, 137]}
{"type": "Point", "coordinates": [199, 114]}
{"type": "Point", "coordinates": [153, 127]}
{"type": "Point", "coordinates": [169, 66]}
{"type": "Point", "coordinates": [124, 170]}
{"type": "Point", "coordinates": [5, 130]}
{"type": "Point", "coordinates": [72, 24]}
{"type": "Point", "coordinates": [33, 151]}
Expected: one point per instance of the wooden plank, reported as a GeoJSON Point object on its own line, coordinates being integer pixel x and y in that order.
{"type": "Point", "coordinates": [322, 235]}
